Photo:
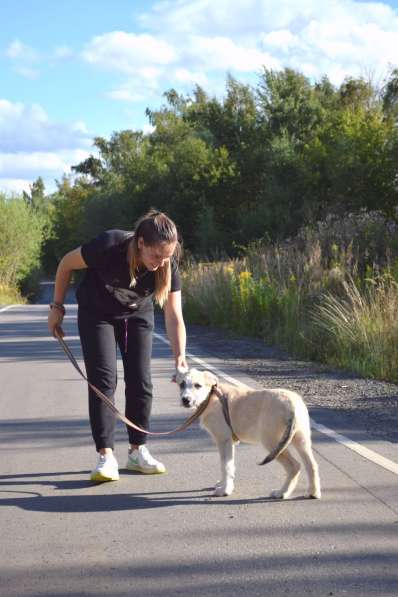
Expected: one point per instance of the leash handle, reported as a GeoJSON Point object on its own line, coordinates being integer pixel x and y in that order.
{"type": "Point", "coordinates": [202, 407]}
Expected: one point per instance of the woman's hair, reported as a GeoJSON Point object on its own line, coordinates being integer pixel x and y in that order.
{"type": "Point", "coordinates": [155, 227]}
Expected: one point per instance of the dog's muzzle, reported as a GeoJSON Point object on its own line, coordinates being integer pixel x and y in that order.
{"type": "Point", "coordinates": [186, 402]}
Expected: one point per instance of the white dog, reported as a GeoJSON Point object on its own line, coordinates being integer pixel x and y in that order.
{"type": "Point", "coordinates": [274, 418]}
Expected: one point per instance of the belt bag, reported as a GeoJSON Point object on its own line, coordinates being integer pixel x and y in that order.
{"type": "Point", "coordinates": [128, 298]}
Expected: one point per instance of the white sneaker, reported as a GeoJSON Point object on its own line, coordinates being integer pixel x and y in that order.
{"type": "Point", "coordinates": [106, 470]}
{"type": "Point", "coordinates": [141, 460]}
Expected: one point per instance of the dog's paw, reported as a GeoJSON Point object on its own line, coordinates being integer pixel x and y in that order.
{"type": "Point", "coordinates": [222, 489]}
{"type": "Point", "coordinates": [277, 494]}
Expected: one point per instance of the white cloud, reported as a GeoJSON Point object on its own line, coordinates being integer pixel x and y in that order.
{"type": "Point", "coordinates": [144, 85]}
{"type": "Point", "coordinates": [32, 145]}
{"type": "Point", "coordinates": [148, 129]}
{"type": "Point", "coordinates": [185, 76]}
{"type": "Point", "coordinates": [14, 185]}
{"type": "Point", "coordinates": [28, 165]}
{"type": "Point", "coordinates": [28, 73]}
{"type": "Point", "coordinates": [281, 39]}
{"type": "Point", "coordinates": [154, 65]}
{"type": "Point", "coordinates": [127, 52]}
{"type": "Point", "coordinates": [150, 83]}
{"type": "Point", "coordinates": [339, 38]}
{"type": "Point", "coordinates": [19, 51]}
{"type": "Point", "coordinates": [188, 42]}
{"type": "Point", "coordinates": [221, 53]}
{"type": "Point", "coordinates": [28, 128]}
{"type": "Point", "coordinates": [62, 52]}
{"type": "Point", "coordinates": [125, 94]}
{"type": "Point", "coordinates": [24, 59]}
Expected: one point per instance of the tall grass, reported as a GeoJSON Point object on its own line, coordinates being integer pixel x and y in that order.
{"type": "Point", "coordinates": [361, 327]}
{"type": "Point", "coordinates": [10, 295]}
{"type": "Point", "coordinates": [318, 296]}
{"type": "Point", "coordinates": [229, 296]}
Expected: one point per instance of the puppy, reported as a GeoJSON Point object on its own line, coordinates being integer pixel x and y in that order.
{"type": "Point", "coordinates": [276, 419]}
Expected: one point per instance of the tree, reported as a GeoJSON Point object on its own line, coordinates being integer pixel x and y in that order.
{"type": "Point", "coordinates": [20, 239]}
{"type": "Point", "coordinates": [390, 96]}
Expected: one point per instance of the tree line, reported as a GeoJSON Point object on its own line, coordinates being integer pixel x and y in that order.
{"type": "Point", "coordinates": [259, 163]}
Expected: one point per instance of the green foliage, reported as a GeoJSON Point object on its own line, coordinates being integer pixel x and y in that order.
{"type": "Point", "coordinates": [261, 162]}
{"type": "Point", "coordinates": [296, 178]}
{"type": "Point", "coordinates": [21, 234]}
{"type": "Point", "coordinates": [307, 296]}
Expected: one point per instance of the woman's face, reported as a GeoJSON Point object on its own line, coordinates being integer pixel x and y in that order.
{"type": "Point", "coordinates": [155, 256]}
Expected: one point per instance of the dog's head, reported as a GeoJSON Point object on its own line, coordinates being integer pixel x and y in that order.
{"type": "Point", "coordinates": [194, 385]}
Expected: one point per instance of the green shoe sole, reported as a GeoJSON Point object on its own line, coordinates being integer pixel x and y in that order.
{"type": "Point", "coordinates": [100, 478]}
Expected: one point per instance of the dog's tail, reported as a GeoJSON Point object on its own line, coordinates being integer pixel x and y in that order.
{"type": "Point", "coordinates": [285, 441]}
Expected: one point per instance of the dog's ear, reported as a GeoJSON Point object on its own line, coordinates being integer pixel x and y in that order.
{"type": "Point", "coordinates": [210, 378]}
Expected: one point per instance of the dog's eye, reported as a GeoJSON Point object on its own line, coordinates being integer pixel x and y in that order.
{"type": "Point", "coordinates": [198, 386]}
{"type": "Point", "coordinates": [182, 385]}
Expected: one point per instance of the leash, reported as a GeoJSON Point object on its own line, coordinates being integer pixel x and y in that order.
{"type": "Point", "coordinates": [225, 410]}
{"type": "Point", "coordinates": [200, 410]}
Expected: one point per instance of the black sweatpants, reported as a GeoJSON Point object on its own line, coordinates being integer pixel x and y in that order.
{"type": "Point", "coordinates": [99, 339]}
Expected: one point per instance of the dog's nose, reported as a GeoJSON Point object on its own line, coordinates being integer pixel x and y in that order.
{"type": "Point", "coordinates": [185, 401]}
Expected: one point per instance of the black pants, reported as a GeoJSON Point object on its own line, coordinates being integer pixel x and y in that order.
{"type": "Point", "coordinates": [99, 339]}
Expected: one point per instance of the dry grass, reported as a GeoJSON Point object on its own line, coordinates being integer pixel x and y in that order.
{"type": "Point", "coordinates": [362, 327]}
{"type": "Point", "coordinates": [314, 307]}
{"type": "Point", "coordinates": [10, 296]}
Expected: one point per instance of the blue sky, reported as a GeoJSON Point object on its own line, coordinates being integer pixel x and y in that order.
{"type": "Point", "coordinates": [72, 70]}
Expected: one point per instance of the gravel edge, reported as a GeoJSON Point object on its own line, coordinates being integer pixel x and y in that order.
{"type": "Point", "coordinates": [361, 404]}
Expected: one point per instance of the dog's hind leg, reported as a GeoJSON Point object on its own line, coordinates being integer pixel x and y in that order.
{"type": "Point", "coordinates": [292, 468]}
{"type": "Point", "coordinates": [227, 452]}
{"type": "Point", "coordinates": [303, 447]}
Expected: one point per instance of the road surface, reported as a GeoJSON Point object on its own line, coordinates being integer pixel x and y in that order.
{"type": "Point", "coordinates": [165, 535]}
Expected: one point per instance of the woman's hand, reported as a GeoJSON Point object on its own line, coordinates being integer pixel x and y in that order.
{"type": "Point", "coordinates": [55, 319]}
{"type": "Point", "coordinates": [181, 363]}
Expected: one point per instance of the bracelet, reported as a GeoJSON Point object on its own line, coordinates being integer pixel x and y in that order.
{"type": "Point", "coordinates": [58, 306]}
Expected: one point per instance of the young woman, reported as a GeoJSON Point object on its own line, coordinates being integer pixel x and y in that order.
{"type": "Point", "coordinates": [125, 273]}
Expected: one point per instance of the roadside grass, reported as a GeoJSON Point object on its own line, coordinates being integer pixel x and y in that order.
{"type": "Point", "coordinates": [361, 327]}
{"type": "Point", "coordinates": [289, 298]}
{"type": "Point", "coordinates": [10, 295]}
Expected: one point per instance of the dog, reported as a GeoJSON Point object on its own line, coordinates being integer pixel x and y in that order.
{"type": "Point", "coordinates": [275, 418]}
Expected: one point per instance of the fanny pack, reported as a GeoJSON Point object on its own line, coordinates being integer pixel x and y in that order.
{"type": "Point", "coordinates": [128, 298]}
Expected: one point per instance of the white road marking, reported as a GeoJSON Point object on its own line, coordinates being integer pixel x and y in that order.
{"type": "Point", "coordinates": [349, 443]}
{"type": "Point", "coordinates": [34, 339]}
{"type": "Point", "coordinates": [8, 307]}
{"type": "Point", "coordinates": [385, 463]}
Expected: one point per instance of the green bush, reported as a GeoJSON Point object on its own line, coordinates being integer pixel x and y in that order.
{"type": "Point", "coordinates": [21, 234]}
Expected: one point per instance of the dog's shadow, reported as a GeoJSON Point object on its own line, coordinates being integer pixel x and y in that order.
{"type": "Point", "coordinates": [102, 498]}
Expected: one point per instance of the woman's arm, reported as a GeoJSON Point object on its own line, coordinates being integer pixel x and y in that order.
{"type": "Point", "coordinates": [69, 262]}
{"type": "Point", "coordinates": [175, 328]}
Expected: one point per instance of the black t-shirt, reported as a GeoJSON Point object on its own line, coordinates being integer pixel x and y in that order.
{"type": "Point", "coordinates": [105, 287]}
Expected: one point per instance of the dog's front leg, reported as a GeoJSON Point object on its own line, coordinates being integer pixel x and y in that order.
{"type": "Point", "coordinates": [227, 452]}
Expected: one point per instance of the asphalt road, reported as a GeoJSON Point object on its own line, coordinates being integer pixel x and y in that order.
{"type": "Point", "coordinates": [166, 535]}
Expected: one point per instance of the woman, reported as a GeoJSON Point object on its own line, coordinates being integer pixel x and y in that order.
{"type": "Point", "coordinates": [125, 273]}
